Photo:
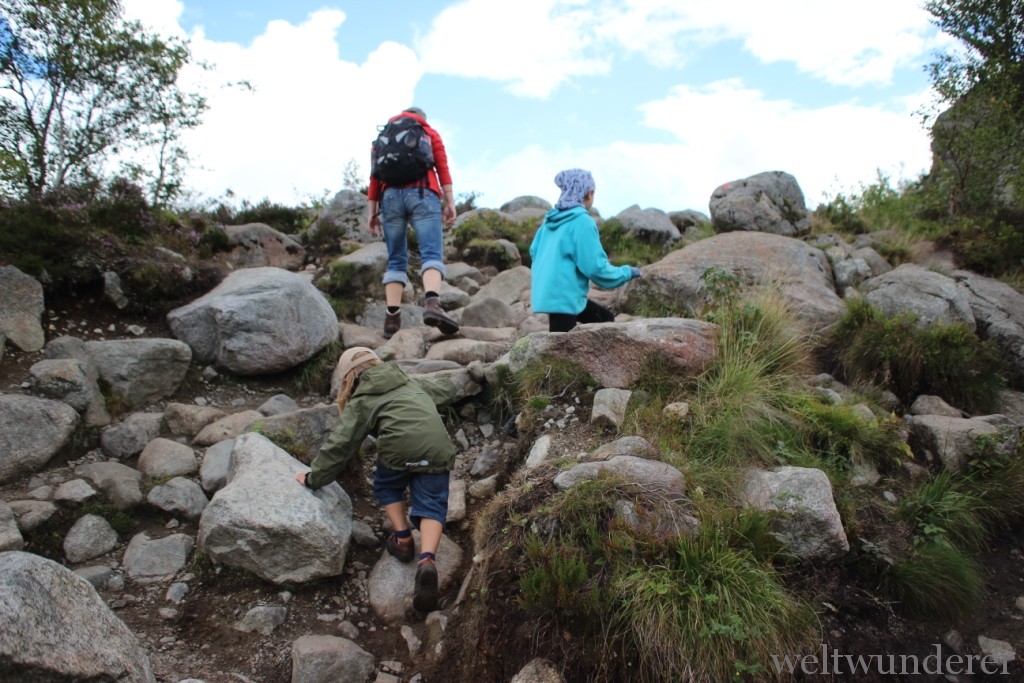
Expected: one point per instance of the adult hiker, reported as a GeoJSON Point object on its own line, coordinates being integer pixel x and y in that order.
{"type": "Point", "coordinates": [409, 176]}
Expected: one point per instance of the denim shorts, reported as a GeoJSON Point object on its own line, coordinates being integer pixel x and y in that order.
{"type": "Point", "coordinates": [428, 492]}
{"type": "Point", "coordinates": [421, 207]}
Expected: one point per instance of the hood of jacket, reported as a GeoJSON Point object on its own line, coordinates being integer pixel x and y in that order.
{"type": "Point", "coordinates": [556, 218]}
{"type": "Point", "coordinates": [380, 379]}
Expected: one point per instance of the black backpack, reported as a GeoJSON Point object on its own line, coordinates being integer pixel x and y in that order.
{"type": "Point", "coordinates": [402, 154]}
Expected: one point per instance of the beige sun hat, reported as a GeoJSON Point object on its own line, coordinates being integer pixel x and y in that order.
{"type": "Point", "coordinates": [353, 358]}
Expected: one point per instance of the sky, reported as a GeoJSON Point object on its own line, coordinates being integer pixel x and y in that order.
{"type": "Point", "coordinates": [662, 100]}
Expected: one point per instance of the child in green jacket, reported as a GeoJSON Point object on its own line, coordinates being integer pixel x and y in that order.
{"type": "Point", "coordinates": [414, 452]}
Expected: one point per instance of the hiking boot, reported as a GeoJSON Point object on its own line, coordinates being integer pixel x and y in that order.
{"type": "Point", "coordinates": [392, 324]}
{"type": "Point", "coordinates": [424, 599]}
{"type": "Point", "coordinates": [434, 316]}
{"type": "Point", "coordinates": [402, 549]}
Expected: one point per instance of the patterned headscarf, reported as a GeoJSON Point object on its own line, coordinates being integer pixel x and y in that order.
{"type": "Point", "coordinates": [350, 366]}
{"type": "Point", "coordinates": [574, 183]}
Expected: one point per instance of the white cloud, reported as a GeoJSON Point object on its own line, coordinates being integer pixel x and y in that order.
{"type": "Point", "coordinates": [311, 112]}
{"type": "Point", "coordinates": [532, 45]}
{"type": "Point", "coordinates": [537, 45]}
{"type": "Point", "coordinates": [724, 132]}
{"type": "Point", "coordinates": [307, 114]}
{"type": "Point", "coordinates": [161, 16]}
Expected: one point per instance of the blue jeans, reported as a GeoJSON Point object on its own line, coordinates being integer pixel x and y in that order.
{"type": "Point", "coordinates": [428, 492]}
{"type": "Point", "coordinates": [422, 207]}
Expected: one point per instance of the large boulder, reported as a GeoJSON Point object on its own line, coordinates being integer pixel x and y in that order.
{"type": "Point", "coordinates": [257, 244]}
{"type": "Point", "coordinates": [140, 371]}
{"type": "Point", "coordinates": [21, 309]}
{"type": "Point", "coordinates": [56, 627]}
{"type": "Point", "coordinates": [32, 431]}
{"type": "Point", "coordinates": [360, 273]}
{"type": "Point", "coordinates": [614, 354]}
{"type": "Point", "coordinates": [344, 216]}
{"type": "Point", "coordinates": [931, 297]}
{"type": "Point", "coordinates": [801, 272]}
{"type": "Point", "coordinates": [808, 523]}
{"type": "Point", "coordinates": [998, 311]}
{"type": "Point", "coordinates": [767, 202]}
{"type": "Point", "coordinates": [257, 321]}
{"type": "Point", "coordinates": [267, 523]}
{"type": "Point", "coordinates": [652, 226]}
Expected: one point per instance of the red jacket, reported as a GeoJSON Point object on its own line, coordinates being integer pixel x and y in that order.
{"type": "Point", "coordinates": [437, 177]}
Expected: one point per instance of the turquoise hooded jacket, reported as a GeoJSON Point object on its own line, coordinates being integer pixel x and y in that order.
{"type": "Point", "coordinates": [566, 257]}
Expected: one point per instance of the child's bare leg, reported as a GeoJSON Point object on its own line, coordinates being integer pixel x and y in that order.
{"type": "Point", "coordinates": [430, 535]}
{"type": "Point", "coordinates": [396, 515]}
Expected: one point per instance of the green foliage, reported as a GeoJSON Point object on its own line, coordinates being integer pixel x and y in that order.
{"type": "Point", "coordinates": [315, 374]}
{"type": "Point", "coordinates": [745, 391]}
{"type": "Point", "coordinates": [660, 607]}
{"type": "Point", "coordinates": [992, 244]}
{"type": "Point", "coordinates": [998, 484]}
{"type": "Point", "coordinates": [936, 581]}
{"type": "Point", "coordinates": [550, 377]}
{"type": "Point", "coordinates": [487, 226]}
{"type": "Point", "coordinates": [502, 395]}
{"type": "Point", "coordinates": [328, 232]}
{"type": "Point", "coordinates": [81, 83]}
{"type": "Point", "coordinates": [625, 250]}
{"type": "Point", "coordinates": [213, 240]}
{"type": "Point", "coordinates": [485, 252]}
{"type": "Point", "coordinates": [908, 208]}
{"type": "Point", "coordinates": [648, 305]}
{"type": "Point", "coordinates": [286, 439]}
{"type": "Point", "coordinates": [37, 237]}
{"type": "Point", "coordinates": [940, 511]}
{"type": "Point", "coordinates": [339, 283]}
{"type": "Point", "coordinates": [705, 606]}
{"type": "Point", "coordinates": [978, 141]}
{"type": "Point", "coordinates": [559, 581]}
{"type": "Point", "coordinates": [840, 432]}
{"type": "Point", "coordinates": [466, 201]}
{"type": "Point", "coordinates": [287, 219]}
{"type": "Point", "coordinates": [946, 360]}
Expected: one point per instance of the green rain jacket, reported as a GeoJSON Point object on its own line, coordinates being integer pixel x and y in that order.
{"type": "Point", "coordinates": [401, 413]}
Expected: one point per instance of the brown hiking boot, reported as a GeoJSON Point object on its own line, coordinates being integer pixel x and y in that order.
{"type": "Point", "coordinates": [392, 324]}
{"type": "Point", "coordinates": [402, 549]}
{"type": "Point", "coordinates": [434, 316]}
{"type": "Point", "coordinates": [424, 597]}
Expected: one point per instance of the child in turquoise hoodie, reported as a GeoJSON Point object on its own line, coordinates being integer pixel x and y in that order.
{"type": "Point", "coordinates": [567, 256]}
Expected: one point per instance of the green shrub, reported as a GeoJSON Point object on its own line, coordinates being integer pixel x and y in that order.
{"type": "Point", "coordinates": [706, 609]}
{"type": "Point", "coordinates": [124, 211]}
{"type": "Point", "coordinates": [213, 240]}
{"type": "Point", "coordinates": [563, 581]}
{"type": "Point", "coordinates": [937, 581]}
{"type": "Point", "coordinates": [40, 237]}
{"type": "Point", "coordinates": [625, 250]}
{"type": "Point", "coordinates": [839, 431]}
{"type": "Point", "coordinates": [290, 220]}
{"type": "Point", "coordinates": [738, 402]}
{"type": "Point", "coordinates": [997, 483]}
{"type": "Point", "coordinates": [839, 215]}
{"type": "Point", "coordinates": [940, 512]}
{"type": "Point", "coordinates": [946, 360]}
{"type": "Point", "coordinates": [648, 305]}
{"type": "Point", "coordinates": [488, 225]}
{"type": "Point", "coordinates": [315, 374]}
{"type": "Point", "coordinates": [548, 377]}
{"type": "Point", "coordinates": [993, 244]}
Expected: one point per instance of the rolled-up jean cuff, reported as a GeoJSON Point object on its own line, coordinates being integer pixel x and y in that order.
{"type": "Point", "coordinates": [434, 265]}
{"type": "Point", "coordinates": [395, 276]}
